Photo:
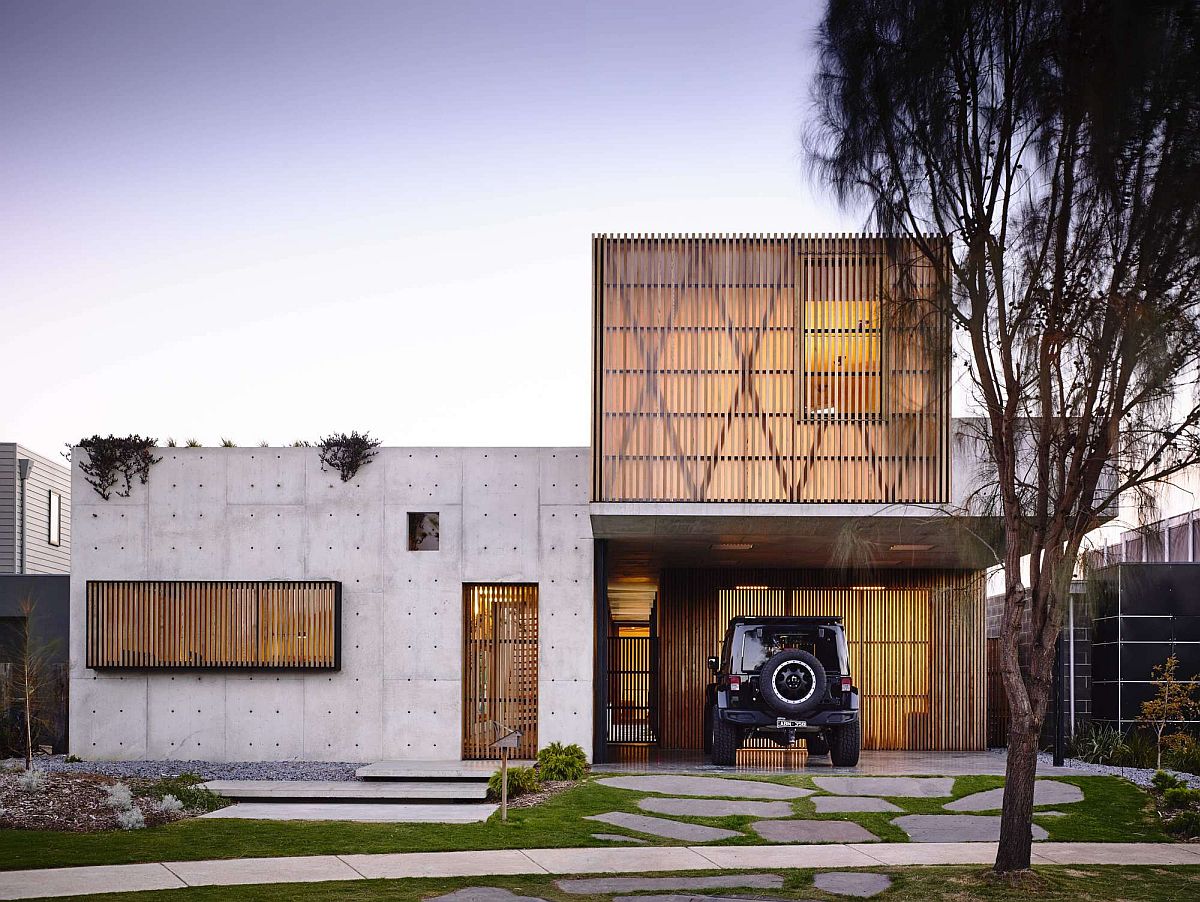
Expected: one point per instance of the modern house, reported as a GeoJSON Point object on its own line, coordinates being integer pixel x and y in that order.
{"type": "Point", "coordinates": [771, 434]}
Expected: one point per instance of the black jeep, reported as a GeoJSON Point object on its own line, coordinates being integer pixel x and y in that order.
{"type": "Point", "coordinates": [783, 678]}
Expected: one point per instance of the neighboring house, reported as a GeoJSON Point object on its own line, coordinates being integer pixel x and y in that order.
{"type": "Point", "coordinates": [35, 512]}
{"type": "Point", "coordinates": [768, 437]}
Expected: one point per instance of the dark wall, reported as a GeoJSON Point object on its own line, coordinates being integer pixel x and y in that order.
{"type": "Point", "coordinates": [52, 616]}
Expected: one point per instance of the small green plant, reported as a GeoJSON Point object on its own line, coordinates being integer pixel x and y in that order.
{"type": "Point", "coordinates": [264, 444]}
{"type": "Point", "coordinates": [1174, 701]}
{"type": "Point", "coordinates": [1185, 824]}
{"type": "Point", "coordinates": [1096, 743]}
{"type": "Point", "coordinates": [1163, 780]}
{"type": "Point", "coordinates": [131, 819]}
{"type": "Point", "coordinates": [301, 443]}
{"type": "Point", "coordinates": [72, 759]}
{"type": "Point", "coordinates": [31, 780]}
{"type": "Point", "coordinates": [1137, 749]}
{"type": "Point", "coordinates": [1183, 752]}
{"type": "Point", "coordinates": [109, 460]}
{"type": "Point", "coordinates": [189, 791]}
{"type": "Point", "coordinates": [192, 443]}
{"type": "Point", "coordinates": [521, 780]}
{"type": "Point", "coordinates": [1180, 797]}
{"type": "Point", "coordinates": [228, 443]}
{"type": "Point", "coordinates": [347, 453]}
{"type": "Point", "coordinates": [559, 762]}
{"type": "Point", "coordinates": [170, 443]}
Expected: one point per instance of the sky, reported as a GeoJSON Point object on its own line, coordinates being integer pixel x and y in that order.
{"type": "Point", "coordinates": [271, 221]}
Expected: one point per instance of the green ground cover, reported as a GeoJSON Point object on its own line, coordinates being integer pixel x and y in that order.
{"type": "Point", "coordinates": [1087, 884]}
{"type": "Point", "coordinates": [1113, 810]}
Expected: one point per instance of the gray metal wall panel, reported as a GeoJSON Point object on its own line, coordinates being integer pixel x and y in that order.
{"type": "Point", "coordinates": [8, 507]}
{"type": "Point", "coordinates": [47, 475]}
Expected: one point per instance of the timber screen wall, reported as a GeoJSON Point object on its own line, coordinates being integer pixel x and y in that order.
{"type": "Point", "coordinates": [768, 368]}
{"type": "Point", "coordinates": [917, 648]}
{"type": "Point", "coordinates": [169, 624]}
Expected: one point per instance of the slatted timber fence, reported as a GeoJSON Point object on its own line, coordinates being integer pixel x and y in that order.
{"type": "Point", "coordinates": [769, 368]}
{"type": "Point", "coordinates": [917, 651]}
{"type": "Point", "coordinates": [236, 624]}
{"type": "Point", "coordinates": [500, 667]}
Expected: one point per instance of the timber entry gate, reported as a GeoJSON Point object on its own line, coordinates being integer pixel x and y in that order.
{"type": "Point", "coordinates": [500, 667]}
{"type": "Point", "coordinates": [632, 693]}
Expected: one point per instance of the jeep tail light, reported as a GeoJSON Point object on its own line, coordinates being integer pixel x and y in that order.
{"type": "Point", "coordinates": [846, 684]}
{"type": "Point", "coordinates": [735, 683]}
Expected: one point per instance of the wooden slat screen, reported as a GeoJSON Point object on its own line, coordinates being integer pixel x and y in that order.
{"type": "Point", "coordinates": [183, 624]}
{"type": "Point", "coordinates": [917, 650]}
{"type": "Point", "coordinates": [768, 368]}
{"type": "Point", "coordinates": [500, 667]}
{"type": "Point", "coordinates": [631, 662]}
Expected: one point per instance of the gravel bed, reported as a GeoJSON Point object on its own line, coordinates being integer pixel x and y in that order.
{"type": "Point", "coordinates": [210, 770]}
{"type": "Point", "coordinates": [1140, 776]}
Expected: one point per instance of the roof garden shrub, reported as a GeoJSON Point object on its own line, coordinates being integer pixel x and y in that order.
{"type": "Point", "coordinates": [115, 460]}
{"type": "Point", "coordinates": [347, 453]}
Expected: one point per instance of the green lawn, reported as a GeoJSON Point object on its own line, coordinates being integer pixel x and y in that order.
{"type": "Point", "coordinates": [926, 884]}
{"type": "Point", "coordinates": [1113, 811]}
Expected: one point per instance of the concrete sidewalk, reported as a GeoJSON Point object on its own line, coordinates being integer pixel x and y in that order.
{"type": "Point", "coordinates": [623, 860]}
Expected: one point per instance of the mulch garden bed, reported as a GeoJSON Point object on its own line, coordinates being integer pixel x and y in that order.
{"type": "Point", "coordinates": [74, 802]}
{"type": "Point", "coordinates": [550, 788]}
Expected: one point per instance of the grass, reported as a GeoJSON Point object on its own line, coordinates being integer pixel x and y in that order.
{"type": "Point", "coordinates": [1113, 811]}
{"type": "Point", "coordinates": [921, 884]}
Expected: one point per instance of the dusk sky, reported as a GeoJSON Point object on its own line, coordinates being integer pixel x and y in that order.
{"type": "Point", "coordinates": [270, 221]}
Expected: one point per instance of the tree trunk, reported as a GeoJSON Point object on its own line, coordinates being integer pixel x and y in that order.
{"type": "Point", "coordinates": [28, 721]}
{"type": "Point", "coordinates": [1016, 836]}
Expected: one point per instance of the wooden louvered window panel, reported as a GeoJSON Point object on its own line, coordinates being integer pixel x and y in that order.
{"type": "Point", "coordinates": [500, 672]}
{"type": "Point", "coordinates": [204, 625]}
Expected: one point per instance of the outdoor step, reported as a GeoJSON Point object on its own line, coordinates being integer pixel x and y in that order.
{"type": "Point", "coordinates": [348, 791]}
{"type": "Point", "coordinates": [357, 811]}
{"type": "Point", "coordinates": [432, 770]}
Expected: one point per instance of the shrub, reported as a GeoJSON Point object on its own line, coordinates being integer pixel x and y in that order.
{"type": "Point", "coordinates": [559, 762]}
{"type": "Point", "coordinates": [192, 443]}
{"type": "Point", "coordinates": [228, 443]}
{"type": "Point", "coordinates": [188, 791]}
{"type": "Point", "coordinates": [1185, 824]}
{"type": "Point", "coordinates": [1180, 797]}
{"type": "Point", "coordinates": [1137, 749]}
{"type": "Point", "coordinates": [347, 453]}
{"type": "Point", "coordinates": [168, 804]}
{"type": "Point", "coordinates": [520, 781]}
{"type": "Point", "coordinates": [72, 759]}
{"type": "Point", "coordinates": [120, 796]}
{"type": "Point", "coordinates": [1183, 752]}
{"type": "Point", "coordinates": [1162, 781]}
{"type": "Point", "coordinates": [131, 819]}
{"type": "Point", "coordinates": [115, 457]}
{"type": "Point", "coordinates": [1096, 743]}
{"type": "Point", "coordinates": [31, 780]}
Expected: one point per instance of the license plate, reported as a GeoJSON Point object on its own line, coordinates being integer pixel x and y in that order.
{"type": "Point", "coordinates": [784, 722]}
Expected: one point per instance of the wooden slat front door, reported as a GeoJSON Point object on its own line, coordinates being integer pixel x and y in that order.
{"type": "Point", "coordinates": [500, 667]}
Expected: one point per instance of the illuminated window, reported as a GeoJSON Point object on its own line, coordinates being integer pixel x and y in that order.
{"type": "Point", "coordinates": [54, 536]}
{"type": "Point", "coordinates": [842, 352]}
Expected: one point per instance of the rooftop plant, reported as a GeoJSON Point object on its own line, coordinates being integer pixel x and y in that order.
{"type": "Point", "coordinates": [115, 458]}
{"type": "Point", "coordinates": [347, 453]}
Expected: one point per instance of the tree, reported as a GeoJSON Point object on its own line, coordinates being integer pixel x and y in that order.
{"type": "Point", "coordinates": [32, 679]}
{"type": "Point", "coordinates": [1047, 156]}
{"type": "Point", "coordinates": [1174, 701]}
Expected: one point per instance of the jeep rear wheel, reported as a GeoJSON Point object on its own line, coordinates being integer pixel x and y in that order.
{"type": "Point", "coordinates": [844, 744]}
{"type": "Point", "coordinates": [725, 741]}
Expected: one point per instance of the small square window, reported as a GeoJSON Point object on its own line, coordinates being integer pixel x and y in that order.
{"type": "Point", "coordinates": [54, 536]}
{"type": "Point", "coordinates": [423, 534]}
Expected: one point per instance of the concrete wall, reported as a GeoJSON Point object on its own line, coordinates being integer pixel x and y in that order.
{"type": "Point", "coordinates": [507, 515]}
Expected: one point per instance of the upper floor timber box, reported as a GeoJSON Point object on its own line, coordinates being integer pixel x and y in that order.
{"type": "Point", "coordinates": [777, 368]}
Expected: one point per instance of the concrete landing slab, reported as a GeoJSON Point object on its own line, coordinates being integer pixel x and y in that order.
{"type": "Point", "coordinates": [903, 853]}
{"type": "Point", "coordinates": [709, 787]}
{"type": "Point", "coordinates": [1116, 853]}
{"type": "Point", "coordinates": [862, 885]}
{"type": "Point", "coordinates": [365, 812]}
{"type": "Point", "coordinates": [1045, 792]}
{"type": "Point", "coordinates": [663, 827]}
{"type": "Point", "coordinates": [715, 807]}
{"type": "Point", "coordinates": [812, 831]}
{"type": "Point", "coordinates": [301, 869]}
{"type": "Point", "coordinates": [359, 790]}
{"type": "Point", "coordinates": [432, 770]}
{"type": "Point", "coordinates": [444, 864]}
{"type": "Point", "coordinates": [619, 837]}
{"type": "Point", "coordinates": [80, 881]}
{"type": "Point", "coordinates": [483, 894]}
{"type": "Point", "coordinates": [622, 861]}
{"type": "Point", "coordinates": [903, 787]}
{"type": "Point", "coordinates": [955, 828]}
{"type": "Point", "coordinates": [837, 804]}
{"type": "Point", "coordinates": [612, 885]}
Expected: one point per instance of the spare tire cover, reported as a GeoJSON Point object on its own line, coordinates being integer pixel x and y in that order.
{"type": "Point", "coordinates": [792, 682]}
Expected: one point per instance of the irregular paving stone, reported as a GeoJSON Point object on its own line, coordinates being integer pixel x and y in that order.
{"type": "Point", "coordinates": [851, 883]}
{"type": "Point", "coordinates": [483, 894]}
{"type": "Point", "coordinates": [683, 898]}
{"type": "Point", "coordinates": [661, 826]}
{"type": "Point", "coordinates": [813, 831]}
{"type": "Point", "coordinates": [1045, 792]}
{"type": "Point", "coordinates": [715, 807]}
{"type": "Point", "coordinates": [711, 787]}
{"type": "Point", "coordinates": [955, 827]}
{"type": "Point", "coordinates": [1049, 813]}
{"type": "Point", "coordinates": [618, 837]}
{"type": "Point", "coordinates": [591, 885]}
{"type": "Point", "coordinates": [834, 804]}
{"type": "Point", "coordinates": [905, 787]}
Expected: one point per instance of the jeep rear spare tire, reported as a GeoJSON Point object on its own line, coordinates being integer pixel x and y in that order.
{"type": "Point", "coordinates": [792, 682]}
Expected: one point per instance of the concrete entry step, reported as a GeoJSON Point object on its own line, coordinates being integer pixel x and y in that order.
{"type": "Point", "coordinates": [389, 813]}
{"type": "Point", "coordinates": [432, 770]}
{"type": "Point", "coordinates": [277, 791]}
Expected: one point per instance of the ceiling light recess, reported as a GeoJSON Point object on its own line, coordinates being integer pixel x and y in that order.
{"type": "Point", "coordinates": [910, 548]}
{"type": "Point", "coordinates": [732, 546]}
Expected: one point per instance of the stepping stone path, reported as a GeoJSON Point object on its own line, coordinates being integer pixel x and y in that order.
{"type": "Point", "coordinates": [716, 807]}
{"type": "Point", "coordinates": [483, 894]}
{"type": "Point", "coordinates": [682, 898]}
{"type": "Point", "coordinates": [813, 831]}
{"type": "Point", "coordinates": [901, 787]}
{"type": "Point", "coordinates": [660, 826]}
{"type": "Point", "coordinates": [590, 886]}
{"type": "Point", "coordinates": [863, 885]}
{"type": "Point", "coordinates": [955, 827]}
{"type": "Point", "coordinates": [708, 787]}
{"type": "Point", "coordinates": [835, 804]}
{"type": "Point", "coordinates": [618, 837]}
{"type": "Point", "coordinates": [1045, 792]}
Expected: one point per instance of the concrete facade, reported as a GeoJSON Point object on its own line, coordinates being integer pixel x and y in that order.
{"type": "Point", "coordinates": [506, 515]}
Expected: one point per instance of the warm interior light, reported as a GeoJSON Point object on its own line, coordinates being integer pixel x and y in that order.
{"type": "Point", "coordinates": [910, 548]}
{"type": "Point", "coordinates": [749, 588]}
{"type": "Point", "coordinates": [732, 546]}
{"type": "Point", "coordinates": [869, 588]}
